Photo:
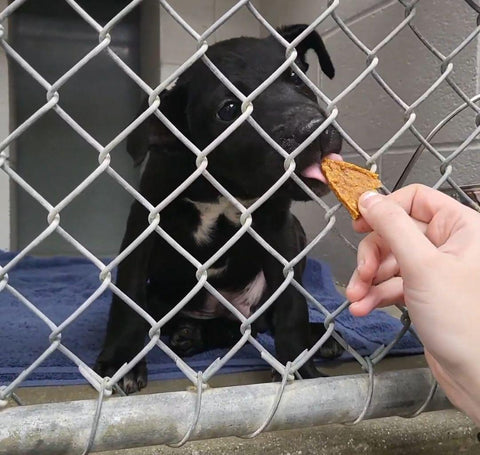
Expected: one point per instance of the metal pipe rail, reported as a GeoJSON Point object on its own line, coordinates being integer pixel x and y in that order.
{"type": "Point", "coordinates": [63, 428]}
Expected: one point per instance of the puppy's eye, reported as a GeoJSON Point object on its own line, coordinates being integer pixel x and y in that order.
{"type": "Point", "coordinates": [229, 111]}
{"type": "Point", "coordinates": [295, 78]}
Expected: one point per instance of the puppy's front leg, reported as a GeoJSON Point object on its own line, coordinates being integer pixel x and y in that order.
{"type": "Point", "coordinates": [126, 329]}
{"type": "Point", "coordinates": [289, 320]}
{"type": "Point", "coordinates": [290, 325]}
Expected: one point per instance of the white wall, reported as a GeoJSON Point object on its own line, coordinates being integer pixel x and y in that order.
{"type": "Point", "coordinates": [4, 128]}
{"type": "Point", "coordinates": [369, 115]}
{"type": "Point", "coordinates": [176, 45]}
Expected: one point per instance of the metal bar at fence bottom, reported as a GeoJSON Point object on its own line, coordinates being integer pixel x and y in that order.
{"type": "Point", "coordinates": [148, 420]}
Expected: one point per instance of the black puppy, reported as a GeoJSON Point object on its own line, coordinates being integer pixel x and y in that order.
{"type": "Point", "coordinates": [202, 220]}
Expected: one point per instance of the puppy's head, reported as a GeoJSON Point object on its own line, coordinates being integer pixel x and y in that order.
{"type": "Point", "coordinates": [201, 107]}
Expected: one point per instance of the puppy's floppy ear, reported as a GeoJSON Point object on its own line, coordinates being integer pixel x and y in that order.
{"type": "Point", "coordinates": [311, 41]}
{"type": "Point", "coordinates": [152, 132]}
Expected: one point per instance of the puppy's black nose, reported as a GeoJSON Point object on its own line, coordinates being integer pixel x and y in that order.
{"type": "Point", "coordinates": [330, 139]}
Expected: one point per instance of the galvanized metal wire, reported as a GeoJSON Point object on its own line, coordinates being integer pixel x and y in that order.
{"type": "Point", "coordinates": [199, 380]}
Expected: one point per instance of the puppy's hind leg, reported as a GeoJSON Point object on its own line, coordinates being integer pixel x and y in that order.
{"type": "Point", "coordinates": [190, 336]}
{"type": "Point", "coordinates": [331, 349]}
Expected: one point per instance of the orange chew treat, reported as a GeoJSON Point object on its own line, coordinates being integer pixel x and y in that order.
{"type": "Point", "coordinates": [348, 182]}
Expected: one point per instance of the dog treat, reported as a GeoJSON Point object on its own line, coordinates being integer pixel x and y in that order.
{"type": "Point", "coordinates": [348, 182]}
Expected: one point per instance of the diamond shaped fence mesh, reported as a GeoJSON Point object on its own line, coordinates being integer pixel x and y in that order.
{"type": "Point", "coordinates": [462, 104]}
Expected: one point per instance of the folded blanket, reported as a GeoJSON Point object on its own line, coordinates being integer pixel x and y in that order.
{"type": "Point", "coordinates": [59, 285]}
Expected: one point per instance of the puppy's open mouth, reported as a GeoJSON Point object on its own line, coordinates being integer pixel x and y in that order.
{"type": "Point", "coordinates": [314, 171]}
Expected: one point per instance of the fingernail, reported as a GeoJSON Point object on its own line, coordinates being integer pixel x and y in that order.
{"type": "Point", "coordinates": [351, 282]}
{"type": "Point", "coordinates": [358, 309]}
{"type": "Point", "coordinates": [360, 265]}
{"type": "Point", "coordinates": [353, 307]}
{"type": "Point", "coordinates": [368, 199]}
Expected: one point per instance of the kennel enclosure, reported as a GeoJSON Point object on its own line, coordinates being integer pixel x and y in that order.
{"type": "Point", "coordinates": [406, 90]}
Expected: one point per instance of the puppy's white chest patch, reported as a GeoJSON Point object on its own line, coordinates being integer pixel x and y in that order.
{"type": "Point", "coordinates": [209, 214]}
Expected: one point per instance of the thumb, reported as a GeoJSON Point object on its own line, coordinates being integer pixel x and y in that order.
{"type": "Point", "coordinates": [395, 226]}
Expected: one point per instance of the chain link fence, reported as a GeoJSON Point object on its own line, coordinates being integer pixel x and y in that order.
{"type": "Point", "coordinates": [193, 414]}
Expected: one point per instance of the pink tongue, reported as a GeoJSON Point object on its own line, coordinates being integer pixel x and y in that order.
{"type": "Point", "coordinates": [315, 172]}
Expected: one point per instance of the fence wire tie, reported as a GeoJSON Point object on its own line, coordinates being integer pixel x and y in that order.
{"type": "Point", "coordinates": [286, 376]}
{"type": "Point", "coordinates": [368, 400]}
{"type": "Point", "coordinates": [433, 389]}
{"type": "Point", "coordinates": [196, 413]}
{"type": "Point", "coordinates": [106, 384]}
{"type": "Point", "coordinates": [96, 417]}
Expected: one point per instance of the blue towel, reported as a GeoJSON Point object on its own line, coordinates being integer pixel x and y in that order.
{"type": "Point", "coordinates": [59, 285]}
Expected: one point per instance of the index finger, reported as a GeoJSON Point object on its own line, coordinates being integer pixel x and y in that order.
{"type": "Point", "coordinates": [420, 202]}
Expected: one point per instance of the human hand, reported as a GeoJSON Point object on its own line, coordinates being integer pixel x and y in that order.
{"type": "Point", "coordinates": [424, 251]}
